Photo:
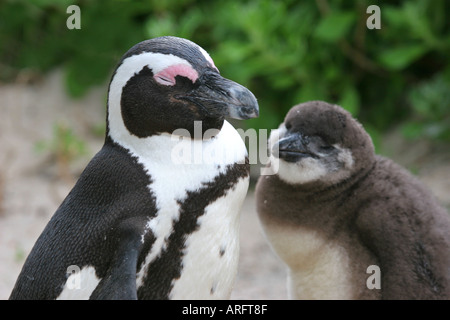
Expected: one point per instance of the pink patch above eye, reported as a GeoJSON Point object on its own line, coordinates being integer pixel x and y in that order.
{"type": "Point", "coordinates": [167, 76]}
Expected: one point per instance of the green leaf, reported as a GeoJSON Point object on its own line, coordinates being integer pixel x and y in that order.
{"type": "Point", "coordinates": [431, 98]}
{"type": "Point", "coordinates": [350, 100]}
{"type": "Point", "coordinates": [334, 26]}
{"type": "Point", "coordinates": [84, 71]}
{"type": "Point", "coordinates": [401, 57]}
{"type": "Point", "coordinates": [394, 17]}
{"type": "Point", "coordinates": [313, 90]}
{"type": "Point", "coordinates": [160, 26]}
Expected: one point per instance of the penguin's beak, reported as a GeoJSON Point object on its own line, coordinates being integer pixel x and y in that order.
{"type": "Point", "coordinates": [292, 148]}
{"type": "Point", "coordinates": [223, 98]}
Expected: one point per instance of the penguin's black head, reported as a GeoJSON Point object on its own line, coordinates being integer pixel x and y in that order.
{"type": "Point", "coordinates": [319, 141]}
{"type": "Point", "coordinates": [169, 83]}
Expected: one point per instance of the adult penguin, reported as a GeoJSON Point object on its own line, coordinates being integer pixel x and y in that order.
{"type": "Point", "coordinates": [155, 214]}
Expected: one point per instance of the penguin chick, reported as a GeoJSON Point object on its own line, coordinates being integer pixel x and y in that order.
{"type": "Point", "coordinates": [349, 224]}
{"type": "Point", "coordinates": [155, 214]}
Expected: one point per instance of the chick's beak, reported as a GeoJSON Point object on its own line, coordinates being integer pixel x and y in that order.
{"type": "Point", "coordinates": [292, 148]}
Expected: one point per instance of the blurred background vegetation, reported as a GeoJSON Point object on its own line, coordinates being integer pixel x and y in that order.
{"type": "Point", "coordinates": [286, 52]}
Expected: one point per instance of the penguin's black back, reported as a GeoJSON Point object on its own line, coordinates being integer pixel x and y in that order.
{"type": "Point", "coordinates": [113, 188]}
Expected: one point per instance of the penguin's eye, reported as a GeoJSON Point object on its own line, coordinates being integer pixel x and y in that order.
{"type": "Point", "coordinates": [288, 125]}
{"type": "Point", "coordinates": [167, 76]}
{"type": "Point", "coordinates": [327, 148]}
{"type": "Point", "coordinates": [164, 80]}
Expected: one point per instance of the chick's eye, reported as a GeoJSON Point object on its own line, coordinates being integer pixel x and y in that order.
{"type": "Point", "coordinates": [327, 148]}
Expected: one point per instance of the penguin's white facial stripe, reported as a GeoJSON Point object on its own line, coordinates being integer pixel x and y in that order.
{"type": "Point", "coordinates": [167, 75]}
{"type": "Point", "coordinates": [208, 58]}
{"type": "Point", "coordinates": [159, 61]}
{"type": "Point", "coordinates": [165, 67]}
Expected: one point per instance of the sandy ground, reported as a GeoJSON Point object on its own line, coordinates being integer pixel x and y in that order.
{"type": "Point", "coordinates": [32, 187]}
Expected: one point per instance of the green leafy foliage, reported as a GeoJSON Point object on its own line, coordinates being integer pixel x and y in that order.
{"type": "Point", "coordinates": [431, 102]}
{"type": "Point", "coordinates": [334, 26]}
{"type": "Point", "coordinates": [399, 58]}
{"type": "Point", "coordinates": [286, 52]}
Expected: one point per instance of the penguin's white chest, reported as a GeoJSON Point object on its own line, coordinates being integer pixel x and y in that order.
{"type": "Point", "coordinates": [210, 253]}
{"type": "Point", "coordinates": [317, 268]}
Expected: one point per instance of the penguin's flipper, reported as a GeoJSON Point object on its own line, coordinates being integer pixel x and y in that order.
{"type": "Point", "coordinates": [120, 280]}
